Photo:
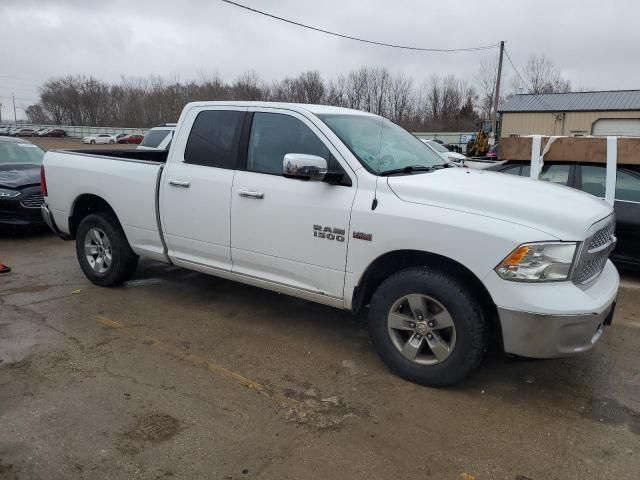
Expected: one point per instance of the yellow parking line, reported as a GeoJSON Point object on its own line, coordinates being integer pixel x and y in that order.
{"type": "Point", "coordinates": [196, 360]}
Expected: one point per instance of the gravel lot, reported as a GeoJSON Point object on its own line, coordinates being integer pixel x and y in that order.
{"type": "Point", "coordinates": [181, 375]}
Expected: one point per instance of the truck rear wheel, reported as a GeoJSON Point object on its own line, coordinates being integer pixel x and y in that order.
{"type": "Point", "coordinates": [427, 327]}
{"type": "Point", "coordinates": [103, 251]}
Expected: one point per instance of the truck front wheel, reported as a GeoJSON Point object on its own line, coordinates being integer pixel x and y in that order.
{"type": "Point", "coordinates": [103, 251]}
{"type": "Point", "coordinates": [427, 327]}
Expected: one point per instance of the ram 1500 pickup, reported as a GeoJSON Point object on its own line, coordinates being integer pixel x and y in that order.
{"type": "Point", "coordinates": [345, 208]}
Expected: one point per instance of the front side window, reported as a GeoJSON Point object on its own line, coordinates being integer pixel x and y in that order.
{"type": "Point", "coordinates": [213, 140]}
{"type": "Point", "coordinates": [380, 145]}
{"type": "Point", "coordinates": [554, 173]}
{"type": "Point", "coordinates": [273, 135]}
{"type": "Point", "coordinates": [594, 179]}
{"type": "Point", "coordinates": [512, 170]}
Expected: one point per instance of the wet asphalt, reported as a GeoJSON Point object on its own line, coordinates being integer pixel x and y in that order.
{"type": "Point", "coordinates": [181, 375]}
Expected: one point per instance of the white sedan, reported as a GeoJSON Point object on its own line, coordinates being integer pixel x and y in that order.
{"type": "Point", "coordinates": [100, 138]}
{"type": "Point", "coordinates": [444, 152]}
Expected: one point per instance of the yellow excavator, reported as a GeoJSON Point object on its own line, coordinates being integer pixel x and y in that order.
{"type": "Point", "coordinates": [479, 146]}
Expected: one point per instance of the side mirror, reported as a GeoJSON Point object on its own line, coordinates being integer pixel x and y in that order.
{"type": "Point", "coordinates": [304, 167]}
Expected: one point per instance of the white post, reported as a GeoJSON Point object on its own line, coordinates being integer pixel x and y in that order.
{"type": "Point", "coordinates": [536, 159]}
{"type": "Point", "coordinates": [612, 167]}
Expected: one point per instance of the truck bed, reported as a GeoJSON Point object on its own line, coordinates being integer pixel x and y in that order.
{"type": "Point", "coordinates": [128, 180]}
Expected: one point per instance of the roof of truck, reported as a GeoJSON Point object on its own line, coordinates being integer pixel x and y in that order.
{"type": "Point", "coordinates": [315, 109]}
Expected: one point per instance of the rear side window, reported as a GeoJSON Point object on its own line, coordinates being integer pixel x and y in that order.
{"type": "Point", "coordinates": [154, 138]}
{"type": "Point", "coordinates": [213, 140]}
{"type": "Point", "coordinates": [627, 184]}
{"type": "Point", "coordinates": [273, 135]}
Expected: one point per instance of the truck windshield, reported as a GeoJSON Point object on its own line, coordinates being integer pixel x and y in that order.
{"type": "Point", "coordinates": [380, 145]}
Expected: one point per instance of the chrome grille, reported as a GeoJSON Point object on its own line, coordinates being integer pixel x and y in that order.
{"type": "Point", "coordinates": [602, 236]}
{"type": "Point", "coordinates": [34, 200]}
{"type": "Point", "coordinates": [595, 252]}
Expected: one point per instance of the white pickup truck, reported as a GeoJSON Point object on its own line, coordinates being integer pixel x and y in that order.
{"type": "Point", "coordinates": [345, 208]}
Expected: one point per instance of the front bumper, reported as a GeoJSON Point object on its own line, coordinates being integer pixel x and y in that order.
{"type": "Point", "coordinates": [554, 319]}
{"type": "Point", "coordinates": [547, 336]}
{"type": "Point", "coordinates": [14, 214]}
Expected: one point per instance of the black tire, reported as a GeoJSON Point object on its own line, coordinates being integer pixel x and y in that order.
{"type": "Point", "coordinates": [92, 142]}
{"type": "Point", "coordinates": [123, 260]}
{"type": "Point", "coordinates": [471, 328]}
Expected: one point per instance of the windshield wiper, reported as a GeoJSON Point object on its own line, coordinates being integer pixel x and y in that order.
{"type": "Point", "coordinates": [407, 169]}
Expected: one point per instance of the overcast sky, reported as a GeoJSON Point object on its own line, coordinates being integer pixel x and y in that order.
{"type": "Point", "coordinates": [594, 43]}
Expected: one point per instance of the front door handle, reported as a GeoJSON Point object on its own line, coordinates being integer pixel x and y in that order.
{"type": "Point", "coordinates": [179, 183]}
{"type": "Point", "coordinates": [251, 194]}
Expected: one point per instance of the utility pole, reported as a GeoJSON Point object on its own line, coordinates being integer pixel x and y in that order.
{"type": "Point", "coordinates": [0, 112]}
{"type": "Point", "coordinates": [496, 97]}
{"type": "Point", "coordinates": [15, 117]}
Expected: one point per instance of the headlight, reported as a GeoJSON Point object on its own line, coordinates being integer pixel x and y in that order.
{"type": "Point", "coordinates": [538, 262]}
{"type": "Point", "coordinates": [9, 193]}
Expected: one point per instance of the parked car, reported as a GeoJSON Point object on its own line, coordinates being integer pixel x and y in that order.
{"type": "Point", "coordinates": [158, 138]}
{"type": "Point", "coordinates": [590, 178]}
{"type": "Point", "coordinates": [120, 135]}
{"type": "Point", "coordinates": [492, 154]}
{"type": "Point", "coordinates": [99, 138]}
{"type": "Point", "coordinates": [39, 131]}
{"type": "Point", "coordinates": [56, 132]}
{"type": "Point", "coordinates": [134, 139]}
{"type": "Point", "coordinates": [23, 132]}
{"type": "Point", "coordinates": [4, 131]}
{"type": "Point", "coordinates": [20, 196]}
{"type": "Point", "coordinates": [444, 152]}
{"type": "Point", "coordinates": [345, 208]}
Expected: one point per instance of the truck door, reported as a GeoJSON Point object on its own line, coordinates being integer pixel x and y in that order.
{"type": "Point", "coordinates": [283, 230]}
{"type": "Point", "coordinates": [195, 193]}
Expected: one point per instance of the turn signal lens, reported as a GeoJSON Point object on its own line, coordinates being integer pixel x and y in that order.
{"type": "Point", "coordinates": [516, 256]}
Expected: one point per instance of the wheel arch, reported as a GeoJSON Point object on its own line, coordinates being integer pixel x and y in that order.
{"type": "Point", "coordinates": [85, 205]}
{"type": "Point", "coordinates": [395, 261]}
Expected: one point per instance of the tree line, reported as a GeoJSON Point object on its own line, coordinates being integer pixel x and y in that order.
{"type": "Point", "coordinates": [440, 103]}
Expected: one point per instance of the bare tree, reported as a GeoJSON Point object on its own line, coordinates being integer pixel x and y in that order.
{"type": "Point", "coordinates": [443, 103]}
{"type": "Point", "coordinates": [486, 77]}
{"type": "Point", "coordinates": [542, 76]}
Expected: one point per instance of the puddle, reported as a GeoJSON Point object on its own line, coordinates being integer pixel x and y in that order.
{"type": "Point", "coordinates": [612, 412]}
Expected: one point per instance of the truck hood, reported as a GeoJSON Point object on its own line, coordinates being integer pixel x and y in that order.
{"type": "Point", "coordinates": [19, 175]}
{"type": "Point", "coordinates": [562, 212]}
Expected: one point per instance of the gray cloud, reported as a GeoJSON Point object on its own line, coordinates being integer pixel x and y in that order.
{"type": "Point", "coordinates": [594, 44]}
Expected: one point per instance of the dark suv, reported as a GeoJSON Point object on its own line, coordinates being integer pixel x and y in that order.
{"type": "Point", "coordinates": [590, 178]}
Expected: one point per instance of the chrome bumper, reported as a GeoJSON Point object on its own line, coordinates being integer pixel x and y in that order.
{"type": "Point", "coordinates": [547, 336]}
{"type": "Point", "coordinates": [48, 219]}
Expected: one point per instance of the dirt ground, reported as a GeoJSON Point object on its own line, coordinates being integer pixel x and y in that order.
{"type": "Point", "coordinates": [51, 143]}
{"type": "Point", "coordinates": [181, 375]}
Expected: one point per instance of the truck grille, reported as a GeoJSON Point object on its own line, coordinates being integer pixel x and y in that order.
{"type": "Point", "coordinates": [34, 200]}
{"type": "Point", "coordinates": [595, 252]}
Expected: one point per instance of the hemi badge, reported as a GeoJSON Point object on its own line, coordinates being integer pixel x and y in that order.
{"type": "Point", "coordinates": [363, 236]}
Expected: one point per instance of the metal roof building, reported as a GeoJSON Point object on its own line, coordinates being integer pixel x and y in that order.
{"type": "Point", "coordinates": [614, 112]}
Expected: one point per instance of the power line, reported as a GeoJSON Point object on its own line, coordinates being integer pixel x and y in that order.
{"type": "Point", "coordinates": [357, 39]}
{"type": "Point", "coordinates": [522, 79]}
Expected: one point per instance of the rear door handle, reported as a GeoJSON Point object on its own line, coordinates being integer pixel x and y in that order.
{"type": "Point", "coordinates": [251, 194]}
{"type": "Point", "coordinates": [179, 183]}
